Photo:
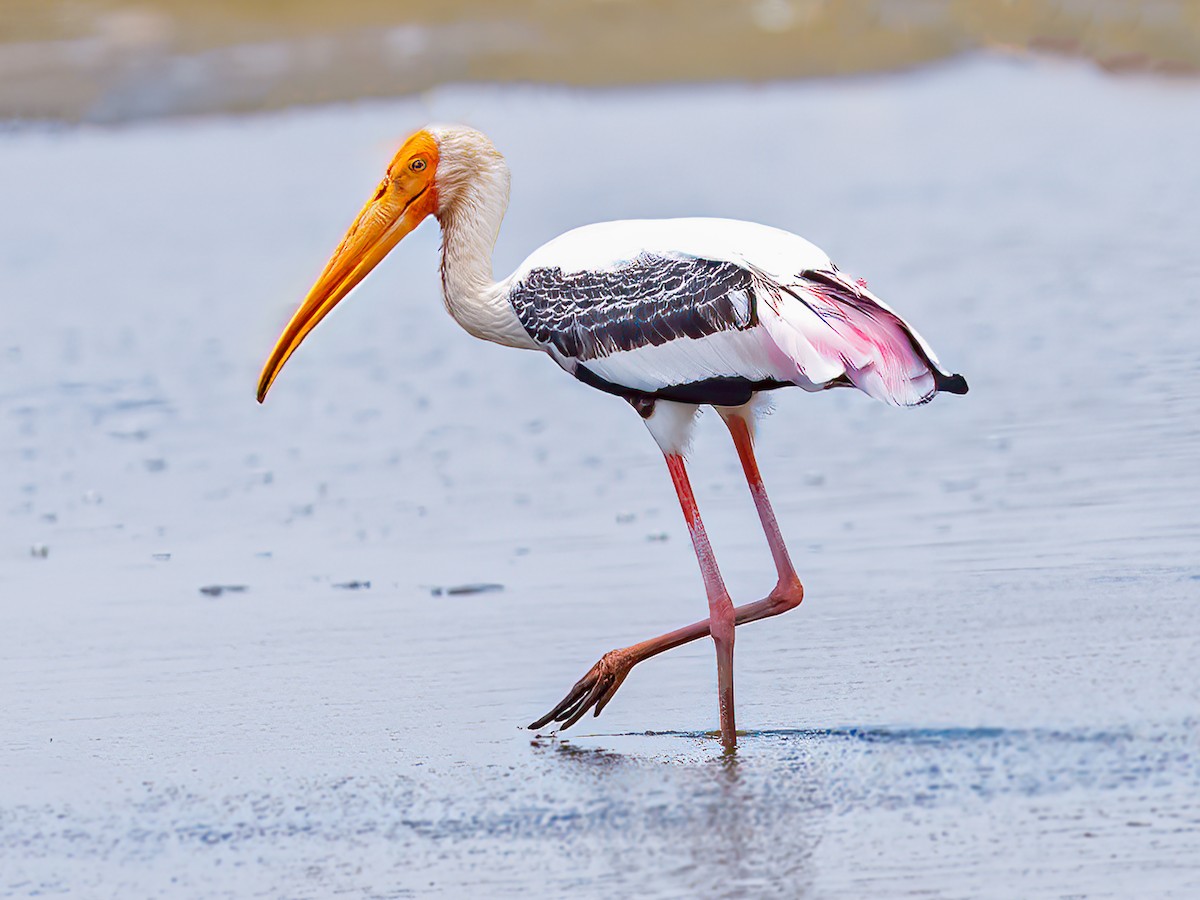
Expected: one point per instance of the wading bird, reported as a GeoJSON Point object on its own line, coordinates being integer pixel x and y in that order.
{"type": "Point", "coordinates": [670, 315]}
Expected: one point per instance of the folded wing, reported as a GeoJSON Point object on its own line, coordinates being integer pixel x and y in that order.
{"type": "Point", "coordinates": [731, 309]}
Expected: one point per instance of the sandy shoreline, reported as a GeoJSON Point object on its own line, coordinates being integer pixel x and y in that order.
{"type": "Point", "coordinates": [105, 61]}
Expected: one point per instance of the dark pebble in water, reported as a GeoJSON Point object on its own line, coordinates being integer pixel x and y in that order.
{"type": "Point", "coordinates": [354, 585]}
{"type": "Point", "coordinates": [460, 590]}
{"type": "Point", "coordinates": [216, 590]}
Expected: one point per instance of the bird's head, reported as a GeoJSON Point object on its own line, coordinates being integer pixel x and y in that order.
{"type": "Point", "coordinates": [426, 177]}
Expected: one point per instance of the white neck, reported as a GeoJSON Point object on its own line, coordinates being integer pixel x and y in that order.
{"type": "Point", "coordinates": [470, 218]}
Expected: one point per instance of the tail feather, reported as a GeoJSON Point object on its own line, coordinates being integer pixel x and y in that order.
{"type": "Point", "coordinates": [854, 331]}
{"type": "Point", "coordinates": [951, 384]}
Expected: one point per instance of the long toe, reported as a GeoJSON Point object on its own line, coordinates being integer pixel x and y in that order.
{"type": "Point", "coordinates": [595, 689]}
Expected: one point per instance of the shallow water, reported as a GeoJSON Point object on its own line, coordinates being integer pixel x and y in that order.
{"type": "Point", "coordinates": [990, 688]}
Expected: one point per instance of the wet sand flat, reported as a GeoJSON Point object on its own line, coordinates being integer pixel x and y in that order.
{"type": "Point", "coordinates": [990, 689]}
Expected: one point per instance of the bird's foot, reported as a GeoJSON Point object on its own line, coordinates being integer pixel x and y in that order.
{"type": "Point", "coordinates": [595, 688]}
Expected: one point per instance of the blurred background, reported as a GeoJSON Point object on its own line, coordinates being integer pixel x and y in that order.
{"type": "Point", "coordinates": [242, 648]}
{"type": "Point", "coordinates": [107, 60]}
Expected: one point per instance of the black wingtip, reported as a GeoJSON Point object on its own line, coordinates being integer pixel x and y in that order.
{"type": "Point", "coordinates": [951, 384]}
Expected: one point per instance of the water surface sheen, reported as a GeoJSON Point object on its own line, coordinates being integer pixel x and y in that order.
{"type": "Point", "coordinates": [989, 690]}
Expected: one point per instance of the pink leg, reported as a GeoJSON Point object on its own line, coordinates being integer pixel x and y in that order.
{"type": "Point", "coordinates": [598, 686]}
{"type": "Point", "coordinates": [721, 616]}
{"type": "Point", "coordinates": [789, 583]}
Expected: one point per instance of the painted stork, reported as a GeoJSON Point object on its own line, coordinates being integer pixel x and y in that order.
{"type": "Point", "coordinates": [670, 315]}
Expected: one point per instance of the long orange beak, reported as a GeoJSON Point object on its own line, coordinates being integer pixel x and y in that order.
{"type": "Point", "coordinates": [390, 215]}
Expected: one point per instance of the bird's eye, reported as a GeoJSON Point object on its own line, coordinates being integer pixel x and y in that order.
{"type": "Point", "coordinates": [417, 165]}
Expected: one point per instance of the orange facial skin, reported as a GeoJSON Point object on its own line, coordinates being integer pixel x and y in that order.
{"type": "Point", "coordinates": [405, 197]}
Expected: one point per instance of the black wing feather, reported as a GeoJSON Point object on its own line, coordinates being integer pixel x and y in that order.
{"type": "Point", "coordinates": [647, 301]}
